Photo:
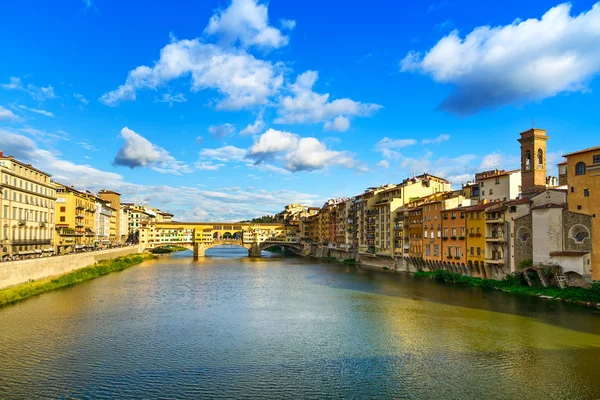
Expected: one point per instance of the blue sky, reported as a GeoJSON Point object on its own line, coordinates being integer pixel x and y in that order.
{"type": "Point", "coordinates": [225, 110]}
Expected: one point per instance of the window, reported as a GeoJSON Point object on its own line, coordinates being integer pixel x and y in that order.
{"type": "Point", "coordinates": [478, 251]}
{"type": "Point", "coordinates": [472, 250]}
{"type": "Point", "coordinates": [491, 192]}
{"type": "Point", "coordinates": [579, 207]}
{"type": "Point", "coordinates": [572, 189]}
{"type": "Point", "coordinates": [436, 250]}
{"type": "Point", "coordinates": [457, 251]}
{"type": "Point", "coordinates": [497, 180]}
{"type": "Point", "coordinates": [483, 192]}
{"type": "Point", "coordinates": [596, 159]}
{"type": "Point", "coordinates": [527, 160]}
{"type": "Point", "coordinates": [62, 219]}
{"type": "Point", "coordinates": [586, 192]}
{"type": "Point", "coordinates": [63, 209]}
{"type": "Point", "coordinates": [580, 168]}
{"type": "Point", "coordinates": [540, 159]}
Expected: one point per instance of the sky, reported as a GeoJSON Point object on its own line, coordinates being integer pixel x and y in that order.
{"type": "Point", "coordinates": [224, 110]}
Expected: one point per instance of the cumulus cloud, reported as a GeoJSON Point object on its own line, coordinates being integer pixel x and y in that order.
{"type": "Point", "coordinates": [199, 140]}
{"type": "Point", "coordinates": [207, 166]}
{"type": "Point", "coordinates": [303, 105]}
{"type": "Point", "coordinates": [8, 115]}
{"type": "Point", "coordinates": [137, 151]}
{"type": "Point", "coordinates": [295, 153]}
{"type": "Point", "coordinates": [224, 154]}
{"type": "Point", "coordinates": [213, 205]}
{"type": "Point", "coordinates": [271, 143]}
{"type": "Point", "coordinates": [37, 111]}
{"type": "Point", "coordinates": [524, 61]}
{"type": "Point", "coordinates": [339, 124]}
{"type": "Point", "coordinates": [389, 147]}
{"type": "Point", "coordinates": [171, 99]}
{"type": "Point", "coordinates": [253, 129]}
{"type": "Point", "coordinates": [221, 131]}
{"type": "Point", "coordinates": [241, 80]}
{"type": "Point", "coordinates": [442, 138]}
{"type": "Point", "coordinates": [247, 22]}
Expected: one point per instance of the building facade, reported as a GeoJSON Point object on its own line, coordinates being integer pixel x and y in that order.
{"type": "Point", "coordinates": [27, 200]}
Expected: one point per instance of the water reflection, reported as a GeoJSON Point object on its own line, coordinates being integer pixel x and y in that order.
{"type": "Point", "coordinates": [233, 327]}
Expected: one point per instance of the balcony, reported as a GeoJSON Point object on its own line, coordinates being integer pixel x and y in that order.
{"type": "Point", "coordinates": [496, 260]}
{"type": "Point", "coordinates": [495, 220]}
{"type": "Point", "coordinates": [80, 207]}
{"type": "Point", "coordinates": [495, 237]}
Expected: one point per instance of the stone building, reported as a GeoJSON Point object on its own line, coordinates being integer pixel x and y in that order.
{"type": "Point", "coordinates": [27, 201]}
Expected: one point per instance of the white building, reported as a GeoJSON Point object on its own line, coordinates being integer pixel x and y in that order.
{"type": "Point", "coordinates": [499, 185]}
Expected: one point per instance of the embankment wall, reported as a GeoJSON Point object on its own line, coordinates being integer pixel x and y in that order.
{"type": "Point", "coordinates": [16, 272]}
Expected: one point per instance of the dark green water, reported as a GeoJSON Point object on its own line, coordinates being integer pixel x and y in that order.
{"type": "Point", "coordinates": [229, 327]}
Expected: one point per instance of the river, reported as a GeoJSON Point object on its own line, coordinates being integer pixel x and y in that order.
{"type": "Point", "coordinates": [239, 328]}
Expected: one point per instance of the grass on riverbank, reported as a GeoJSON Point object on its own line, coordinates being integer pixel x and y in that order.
{"type": "Point", "coordinates": [26, 290]}
{"type": "Point", "coordinates": [168, 249]}
{"type": "Point", "coordinates": [514, 284]}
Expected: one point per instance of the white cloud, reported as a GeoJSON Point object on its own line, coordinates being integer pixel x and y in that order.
{"type": "Point", "coordinates": [305, 106]}
{"type": "Point", "coordinates": [253, 129]}
{"type": "Point", "coordinates": [442, 138]}
{"type": "Point", "coordinates": [213, 205]}
{"type": "Point", "coordinates": [207, 166]}
{"type": "Point", "coordinates": [137, 151]}
{"type": "Point", "coordinates": [37, 111]}
{"type": "Point", "coordinates": [527, 60]}
{"type": "Point", "coordinates": [246, 21]}
{"type": "Point", "coordinates": [81, 98]}
{"type": "Point", "coordinates": [171, 98]}
{"type": "Point", "coordinates": [490, 161]}
{"type": "Point", "coordinates": [7, 115]}
{"type": "Point", "coordinates": [288, 24]}
{"type": "Point", "coordinates": [199, 140]}
{"type": "Point", "coordinates": [221, 131]}
{"type": "Point", "coordinates": [242, 80]}
{"type": "Point", "coordinates": [339, 124]}
{"type": "Point", "coordinates": [13, 84]}
{"type": "Point", "coordinates": [388, 147]}
{"type": "Point", "coordinates": [224, 154]}
{"type": "Point", "coordinates": [271, 143]}
{"type": "Point", "coordinates": [311, 154]}
{"type": "Point", "coordinates": [36, 92]}
{"type": "Point", "coordinates": [383, 164]}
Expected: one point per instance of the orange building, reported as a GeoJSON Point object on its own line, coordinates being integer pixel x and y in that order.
{"type": "Point", "coordinates": [454, 225]}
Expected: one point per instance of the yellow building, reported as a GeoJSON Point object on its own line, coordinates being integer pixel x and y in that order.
{"type": "Point", "coordinates": [583, 196]}
{"type": "Point", "coordinates": [476, 238]}
{"type": "Point", "coordinates": [75, 219]}
{"type": "Point", "coordinates": [27, 207]}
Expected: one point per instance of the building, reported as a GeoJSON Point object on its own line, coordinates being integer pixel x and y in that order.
{"type": "Point", "coordinates": [475, 236]}
{"type": "Point", "coordinates": [114, 199]}
{"type": "Point", "coordinates": [583, 179]}
{"type": "Point", "coordinates": [454, 226]}
{"type": "Point", "coordinates": [75, 219]}
{"type": "Point", "coordinates": [498, 185]}
{"type": "Point", "coordinates": [105, 233]}
{"type": "Point", "coordinates": [27, 202]}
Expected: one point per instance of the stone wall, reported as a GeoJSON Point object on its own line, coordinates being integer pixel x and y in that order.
{"type": "Point", "coordinates": [571, 219]}
{"type": "Point", "coordinates": [523, 250]}
{"type": "Point", "coordinates": [16, 272]}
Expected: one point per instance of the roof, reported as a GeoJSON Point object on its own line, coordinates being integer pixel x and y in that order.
{"type": "Point", "coordinates": [568, 253]}
{"type": "Point", "coordinates": [582, 151]}
{"type": "Point", "coordinates": [549, 205]}
{"type": "Point", "coordinates": [109, 192]}
{"type": "Point", "coordinates": [11, 158]}
{"type": "Point", "coordinates": [562, 163]}
{"type": "Point", "coordinates": [480, 207]}
{"type": "Point", "coordinates": [524, 200]}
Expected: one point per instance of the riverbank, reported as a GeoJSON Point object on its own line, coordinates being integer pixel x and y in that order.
{"type": "Point", "coordinates": [513, 284]}
{"type": "Point", "coordinates": [104, 267]}
{"type": "Point", "coordinates": [167, 250]}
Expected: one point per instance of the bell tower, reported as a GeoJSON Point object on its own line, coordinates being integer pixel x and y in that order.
{"type": "Point", "coordinates": [533, 161]}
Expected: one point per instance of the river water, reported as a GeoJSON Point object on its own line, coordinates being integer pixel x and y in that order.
{"type": "Point", "coordinates": [233, 327]}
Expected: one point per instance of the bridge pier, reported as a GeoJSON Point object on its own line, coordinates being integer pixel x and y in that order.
{"type": "Point", "coordinates": [254, 250]}
{"type": "Point", "coordinates": [198, 250]}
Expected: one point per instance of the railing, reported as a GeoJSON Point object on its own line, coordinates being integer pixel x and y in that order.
{"type": "Point", "coordinates": [24, 242]}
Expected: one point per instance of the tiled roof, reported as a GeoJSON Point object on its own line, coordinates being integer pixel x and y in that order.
{"type": "Point", "coordinates": [583, 151]}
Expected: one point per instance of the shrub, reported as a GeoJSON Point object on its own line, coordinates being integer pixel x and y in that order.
{"type": "Point", "coordinates": [525, 264]}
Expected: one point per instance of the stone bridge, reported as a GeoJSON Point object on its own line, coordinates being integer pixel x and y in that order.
{"type": "Point", "coordinates": [254, 249]}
